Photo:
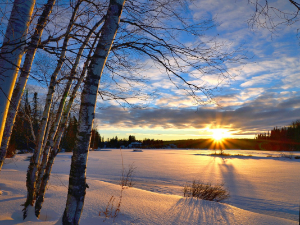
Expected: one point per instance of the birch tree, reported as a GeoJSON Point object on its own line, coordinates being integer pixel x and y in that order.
{"type": "Point", "coordinates": [11, 54]}
{"type": "Point", "coordinates": [54, 128]}
{"type": "Point", "coordinates": [152, 37]}
{"type": "Point", "coordinates": [53, 143]}
{"type": "Point", "coordinates": [145, 32]}
{"type": "Point", "coordinates": [31, 177]}
{"type": "Point", "coordinates": [21, 84]}
{"type": "Point", "coordinates": [77, 178]}
{"type": "Point", "coordinates": [54, 147]}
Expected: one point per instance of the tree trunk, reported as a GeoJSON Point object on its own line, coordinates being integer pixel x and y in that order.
{"type": "Point", "coordinates": [77, 178]}
{"type": "Point", "coordinates": [21, 84]}
{"type": "Point", "coordinates": [11, 55]}
{"type": "Point", "coordinates": [45, 155]}
{"type": "Point", "coordinates": [53, 153]}
{"type": "Point", "coordinates": [56, 133]}
{"type": "Point", "coordinates": [35, 159]}
{"type": "Point", "coordinates": [49, 124]}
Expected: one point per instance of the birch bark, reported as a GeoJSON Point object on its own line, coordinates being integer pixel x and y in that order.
{"type": "Point", "coordinates": [77, 178]}
{"type": "Point", "coordinates": [11, 55]}
{"type": "Point", "coordinates": [48, 126]}
{"type": "Point", "coordinates": [54, 127]}
{"type": "Point", "coordinates": [21, 84]}
{"type": "Point", "coordinates": [54, 144]}
{"type": "Point", "coordinates": [35, 159]}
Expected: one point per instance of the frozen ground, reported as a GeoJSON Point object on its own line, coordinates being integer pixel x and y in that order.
{"type": "Point", "coordinates": [263, 190]}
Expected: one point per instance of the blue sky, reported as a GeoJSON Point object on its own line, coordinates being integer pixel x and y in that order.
{"type": "Point", "coordinates": [263, 93]}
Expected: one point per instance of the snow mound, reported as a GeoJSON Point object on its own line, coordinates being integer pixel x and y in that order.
{"type": "Point", "coordinates": [137, 150]}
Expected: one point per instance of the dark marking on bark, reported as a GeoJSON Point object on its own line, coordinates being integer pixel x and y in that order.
{"type": "Point", "coordinates": [88, 104]}
{"type": "Point", "coordinates": [100, 56]}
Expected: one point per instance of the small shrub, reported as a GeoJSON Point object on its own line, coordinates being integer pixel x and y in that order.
{"type": "Point", "coordinates": [112, 210]}
{"type": "Point", "coordinates": [206, 191]}
{"type": "Point", "coordinates": [220, 154]}
{"type": "Point", "coordinates": [297, 157]}
{"type": "Point", "coordinates": [285, 155]}
{"type": "Point", "coordinates": [114, 204]}
{"type": "Point", "coordinates": [250, 155]}
{"type": "Point", "coordinates": [238, 155]}
{"type": "Point", "coordinates": [269, 156]}
{"type": "Point", "coordinates": [127, 176]}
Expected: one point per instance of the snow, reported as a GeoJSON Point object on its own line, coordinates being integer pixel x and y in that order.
{"type": "Point", "coordinates": [263, 190]}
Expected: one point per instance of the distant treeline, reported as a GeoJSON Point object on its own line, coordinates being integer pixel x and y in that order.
{"type": "Point", "coordinates": [131, 142]}
{"type": "Point", "coordinates": [211, 144]}
{"type": "Point", "coordinates": [285, 138]}
{"type": "Point", "coordinates": [29, 116]}
{"type": "Point", "coordinates": [26, 126]}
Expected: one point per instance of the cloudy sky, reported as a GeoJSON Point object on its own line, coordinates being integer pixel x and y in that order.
{"type": "Point", "coordinates": [263, 93]}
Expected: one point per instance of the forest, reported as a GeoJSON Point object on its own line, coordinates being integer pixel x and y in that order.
{"type": "Point", "coordinates": [286, 138]}
{"type": "Point", "coordinates": [26, 124]}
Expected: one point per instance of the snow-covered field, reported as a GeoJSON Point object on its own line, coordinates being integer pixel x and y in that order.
{"type": "Point", "coordinates": [264, 190]}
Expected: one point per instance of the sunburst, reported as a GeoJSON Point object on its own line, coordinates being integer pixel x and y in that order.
{"type": "Point", "coordinates": [218, 135]}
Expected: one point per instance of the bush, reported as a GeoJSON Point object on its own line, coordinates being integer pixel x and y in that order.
{"type": "Point", "coordinates": [114, 204]}
{"type": "Point", "coordinates": [287, 155]}
{"type": "Point", "coordinates": [127, 175]}
{"type": "Point", "coordinates": [113, 208]}
{"type": "Point", "coordinates": [222, 153]}
{"type": "Point", "coordinates": [206, 191]}
{"type": "Point", "coordinates": [238, 155]}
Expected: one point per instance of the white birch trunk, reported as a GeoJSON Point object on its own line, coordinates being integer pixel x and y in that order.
{"type": "Point", "coordinates": [45, 178]}
{"type": "Point", "coordinates": [11, 55]}
{"type": "Point", "coordinates": [48, 129]}
{"type": "Point", "coordinates": [45, 150]}
{"type": "Point", "coordinates": [58, 132]}
{"type": "Point", "coordinates": [35, 159]}
{"type": "Point", "coordinates": [77, 178]}
{"type": "Point", "coordinates": [31, 126]}
{"type": "Point", "coordinates": [21, 84]}
{"type": "Point", "coordinates": [54, 128]}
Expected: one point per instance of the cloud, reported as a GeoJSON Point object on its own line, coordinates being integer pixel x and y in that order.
{"type": "Point", "coordinates": [250, 118]}
{"type": "Point", "coordinates": [263, 93]}
{"type": "Point", "coordinates": [258, 80]}
{"type": "Point", "coordinates": [250, 93]}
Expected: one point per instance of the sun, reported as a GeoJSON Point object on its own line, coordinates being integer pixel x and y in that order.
{"type": "Point", "coordinates": [218, 135]}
